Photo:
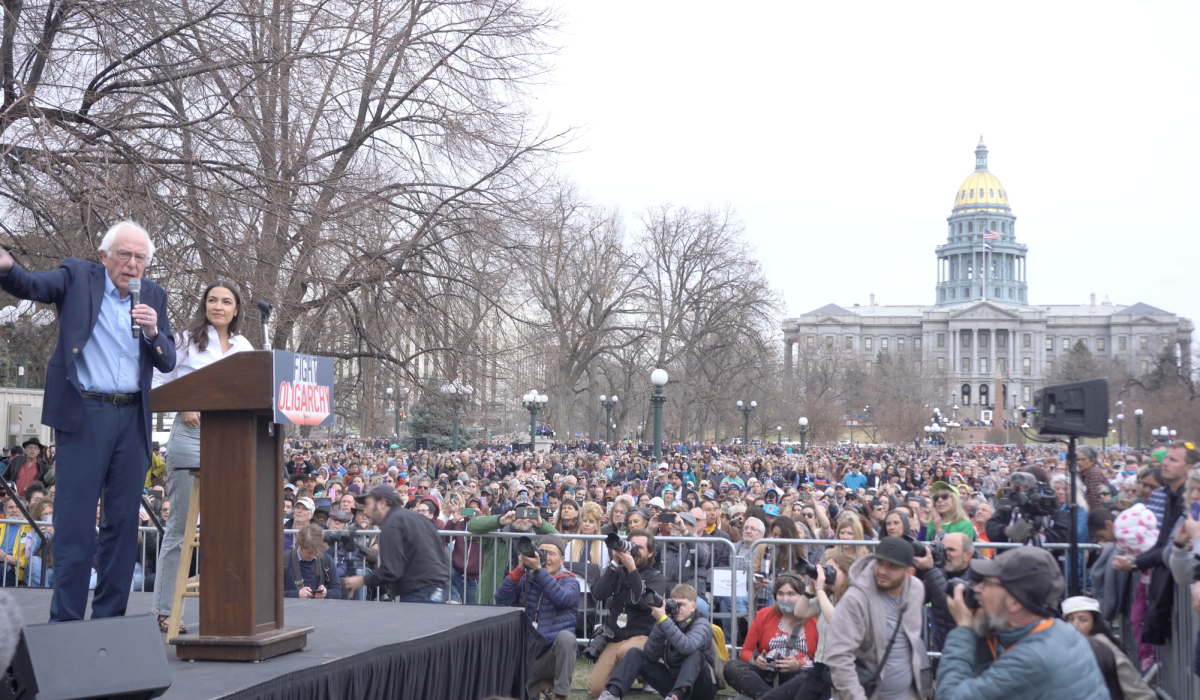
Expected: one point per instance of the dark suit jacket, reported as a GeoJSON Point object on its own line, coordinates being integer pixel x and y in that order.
{"type": "Point", "coordinates": [76, 288]}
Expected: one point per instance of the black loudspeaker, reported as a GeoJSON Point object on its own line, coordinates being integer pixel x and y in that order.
{"type": "Point", "coordinates": [421, 443]}
{"type": "Point", "coordinates": [1078, 409]}
{"type": "Point", "coordinates": [118, 657]}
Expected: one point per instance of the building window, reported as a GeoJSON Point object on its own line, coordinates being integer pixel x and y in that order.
{"type": "Point", "coordinates": [965, 294]}
{"type": "Point", "coordinates": [1084, 342]}
{"type": "Point", "coordinates": [849, 342]}
{"type": "Point", "coordinates": [808, 340]}
{"type": "Point", "coordinates": [1145, 367]}
{"type": "Point", "coordinates": [1121, 344]}
{"type": "Point", "coordinates": [1049, 367]}
{"type": "Point", "coordinates": [1144, 342]}
{"type": "Point", "coordinates": [992, 193]}
{"type": "Point", "coordinates": [970, 227]}
{"type": "Point", "coordinates": [1010, 293]}
{"type": "Point", "coordinates": [983, 339]}
{"type": "Point", "coordinates": [999, 293]}
{"type": "Point", "coordinates": [899, 344]}
{"type": "Point", "coordinates": [1066, 344]}
{"type": "Point", "coordinates": [1026, 394]}
{"type": "Point", "coordinates": [869, 343]}
{"type": "Point", "coordinates": [972, 192]}
{"type": "Point", "coordinates": [1166, 341]}
{"type": "Point", "coordinates": [883, 344]}
{"type": "Point", "coordinates": [983, 365]}
{"type": "Point", "coordinates": [1100, 344]}
{"type": "Point", "coordinates": [941, 364]}
{"type": "Point", "coordinates": [1001, 340]}
{"type": "Point", "coordinates": [965, 339]}
{"type": "Point", "coordinates": [941, 340]}
{"type": "Point", "coordinates": [829, 341]}
{"type": "Point", "coordinates": [1027, 340]}
{"type": "Point", "coordinates": [966, 365]}
{"type": "Point", "coordinates": [1026, 366]}
{"type": "Point", "coordinates": [1050, 344]}
{"type": "Point", "coordinates": [1001, 365]}
{"type": "Point", "coordinates": [960, 227]}
{"type": "Point", "coordinates": [917, 344]}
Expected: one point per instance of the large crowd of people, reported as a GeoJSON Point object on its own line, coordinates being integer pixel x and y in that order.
{"type": "Point", "coordinates": [920, 571]}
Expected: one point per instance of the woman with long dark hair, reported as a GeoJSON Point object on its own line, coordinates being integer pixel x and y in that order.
{"type": "Point", "coordinates": [211, 336]}
{"type": "Point", "coordinates": [1122, 678]}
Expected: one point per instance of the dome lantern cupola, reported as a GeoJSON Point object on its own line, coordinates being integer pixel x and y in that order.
{"type": "Point", "coordinates": [981, 155]}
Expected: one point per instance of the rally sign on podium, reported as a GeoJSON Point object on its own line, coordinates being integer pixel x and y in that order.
{"type": "Point", "coordinates": [303, 388]}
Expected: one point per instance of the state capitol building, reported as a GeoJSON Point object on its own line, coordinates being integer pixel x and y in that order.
{"type": "Point", "coordinates": [982, 332]}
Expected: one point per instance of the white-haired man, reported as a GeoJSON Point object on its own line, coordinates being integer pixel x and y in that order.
{"type": "Point", "coordinates": [97, 388]}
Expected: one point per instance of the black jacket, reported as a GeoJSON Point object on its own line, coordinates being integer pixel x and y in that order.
{"type": "Point", "coordinates": [621, 591]}
{"type": "Point", "coordinates": [14, 468]}
{"type": "Point", "coordinates": [411, 557]}
{"type": "Point", "coordinates": [1059, 529]}
{"type": "Point", "coordinates": [1160, 593]}
{"type": "Point", "coordinates": [325, 571]}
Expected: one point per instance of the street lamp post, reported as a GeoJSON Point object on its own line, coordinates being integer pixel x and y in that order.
{"type": "Point", "coordinates": [1120, 429]}
{"type": "Point", "coordinates": [456, 391]}
{"type": "Point", "coordinates": [390, 392]}
{"type": "Point", "coordinates": [746, 411]}
{"type": "Point", "coordinates": [779, 434]}
{"type": "Point", "coordinates": [609, 403]}
{"type": "Point", "coordinates": [533, 402]}
{"type": "Point", "coordinates": [1104, 441]}
{"type": "Point", "coordinates": [659, 379]}
{"type": "Point", "coordinates": [803, 435]}
{"type": "Point", "coordinates": [1137, 414]}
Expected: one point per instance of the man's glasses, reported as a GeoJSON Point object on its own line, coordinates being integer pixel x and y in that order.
{"type": "Point", "coordinates": [125, 256]}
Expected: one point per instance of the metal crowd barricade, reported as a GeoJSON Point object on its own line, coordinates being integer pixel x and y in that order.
{"type": "Point", "coordinates": [591, 612]}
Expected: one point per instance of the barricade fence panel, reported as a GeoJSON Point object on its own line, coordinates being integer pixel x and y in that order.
{"type": "Point", "coordinates": [718, 587]}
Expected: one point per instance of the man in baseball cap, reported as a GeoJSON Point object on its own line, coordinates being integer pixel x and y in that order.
{"type": "Point", "coordinates": [1033, 654]}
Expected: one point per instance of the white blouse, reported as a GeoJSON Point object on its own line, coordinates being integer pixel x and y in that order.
{"type": "Point", "coordinates": [188, 357]}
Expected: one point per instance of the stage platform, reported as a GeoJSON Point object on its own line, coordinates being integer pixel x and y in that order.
{"type": "Point", "coordinates": [359, 651]}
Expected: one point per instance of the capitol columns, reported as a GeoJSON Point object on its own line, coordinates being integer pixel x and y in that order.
{"type": "Point", "coordinates": [787, 357]}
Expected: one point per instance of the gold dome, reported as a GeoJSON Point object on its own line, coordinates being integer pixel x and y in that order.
{"type": "Point", "coordinates": [981, 191]}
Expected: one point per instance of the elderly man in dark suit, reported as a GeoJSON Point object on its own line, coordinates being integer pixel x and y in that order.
{"type": "Point", "coordinates": [97, 399]}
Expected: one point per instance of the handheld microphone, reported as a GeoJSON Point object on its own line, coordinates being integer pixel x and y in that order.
{"type": "Point", "coordinates": [264, 309]}
{"type": "Point", "coordinates": [135, 298]}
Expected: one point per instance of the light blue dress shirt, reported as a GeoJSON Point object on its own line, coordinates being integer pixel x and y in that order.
{"type": "Point", "coordinates": [109, 361]}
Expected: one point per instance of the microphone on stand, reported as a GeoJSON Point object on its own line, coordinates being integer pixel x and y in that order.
{"type": "Point", "coordinates": [135, 298]}
{"type": "Point", "coordinates": [264, 309]}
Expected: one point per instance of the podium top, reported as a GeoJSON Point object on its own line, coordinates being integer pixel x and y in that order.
{"type": "Point", "coordinates": [240, 382]}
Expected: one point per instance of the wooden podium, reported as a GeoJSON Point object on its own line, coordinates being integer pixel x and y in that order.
{"type": "Point", "coordinates": [241, 506]}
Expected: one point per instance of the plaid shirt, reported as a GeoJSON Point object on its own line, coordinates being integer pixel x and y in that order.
{"type": "Point", "coordinates": [1096, 479]}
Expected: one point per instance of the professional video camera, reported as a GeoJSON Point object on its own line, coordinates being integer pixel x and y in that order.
{"type": "Point", "coordinates": [614, 542]}
{"type": "Point", "coordinates": [1030, 497]}
{"type": "Point", "coordinates": [526, 548]}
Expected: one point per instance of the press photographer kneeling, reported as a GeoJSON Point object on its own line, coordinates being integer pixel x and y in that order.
{"type": "Point", "coordinates": [677, 660]}
{"type": "Point", "coordinates": [1007, 643]}
{"type": "Point", "coordinates": [550, 597]}
{"type": "Point", "coordinates": [620, 589]}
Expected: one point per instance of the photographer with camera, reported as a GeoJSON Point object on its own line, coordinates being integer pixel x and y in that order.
{"type": "Point", "coordinates": [630, 573]}
{"type": "Point", "coordinates": [1028, 506]}
{"type": "Point", "coordinates": [684, 562]}
{"type": "Point", "coordinates": [550, 596]}
{"type": "Point", "coordinates": [781, 643]}
{"type": "Point", "coordinates": [1007, 643]}
{"type": "Point", "coordinates": [929, 560]}
{"type": "Point", "coordinates": [500, 554]}
{"type": "Point", "coordinates": [677, 659]}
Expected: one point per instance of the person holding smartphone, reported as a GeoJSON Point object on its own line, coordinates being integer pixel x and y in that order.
{"type": "Point", "coordinates": [500, 554]}
{"type": "Point", "coordinates": [308, 570]}
{"type": "Point", "coordinates": [466, 557]}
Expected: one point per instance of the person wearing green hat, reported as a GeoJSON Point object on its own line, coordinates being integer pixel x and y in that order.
{"type": "Point", "coordinates": [947, 514]}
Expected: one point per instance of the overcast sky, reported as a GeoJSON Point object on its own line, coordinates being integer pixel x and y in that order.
{"type": "Point", "coordinates": [841, 131]}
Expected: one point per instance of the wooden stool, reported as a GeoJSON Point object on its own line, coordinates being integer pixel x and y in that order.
{"type": "Point", "coordinates": [186, 587]}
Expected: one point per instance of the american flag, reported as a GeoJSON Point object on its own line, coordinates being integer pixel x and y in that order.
{"type": "Point", "coordinates": [990, 235]}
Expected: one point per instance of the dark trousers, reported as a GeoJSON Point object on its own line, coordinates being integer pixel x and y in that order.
{"type": "Point", "coordinates": [693, 675]}
{"type": "Point", "coordinates": [748, 679]}
{"type": "Point", "coordinates": [105, 459]}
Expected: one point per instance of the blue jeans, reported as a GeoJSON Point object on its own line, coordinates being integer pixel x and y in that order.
{"type": "Point", "coordinates": [433, 594]}
{"type": "Point", "coordinates": [457, 585]}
